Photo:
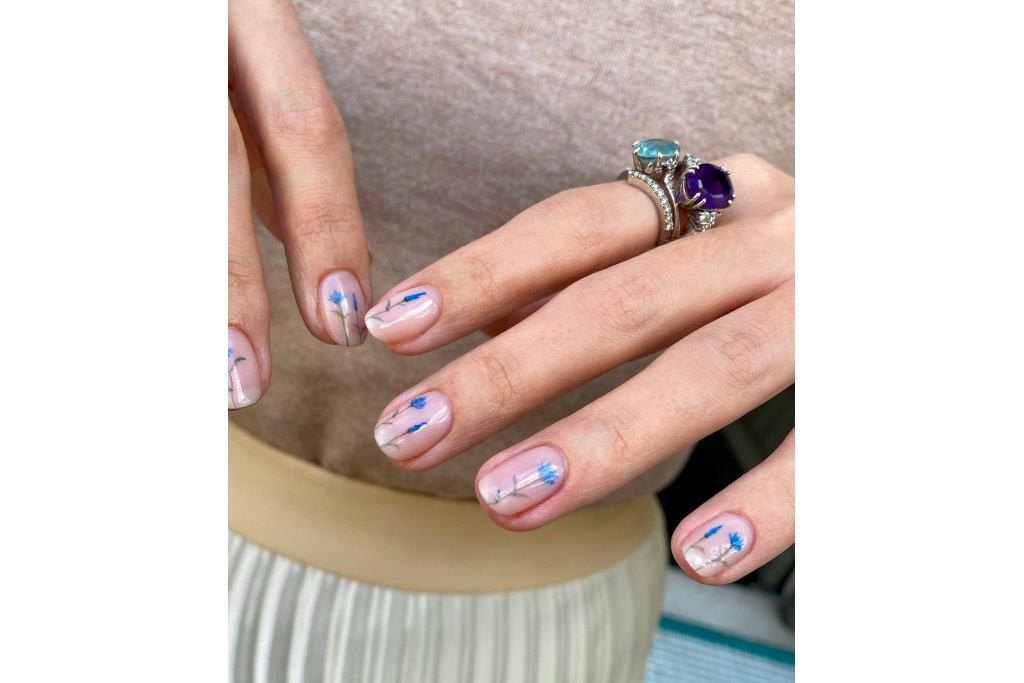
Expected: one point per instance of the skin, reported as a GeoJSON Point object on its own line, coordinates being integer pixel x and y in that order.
{"type": "Point", "coordinates": [289, 158]}
{"type": "Point", "coordinates": [570, 287]}
{"type": "Point", "coordinates": [719, 304]}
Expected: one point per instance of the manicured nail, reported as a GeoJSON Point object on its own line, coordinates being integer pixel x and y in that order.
{"type": "Point", "coordinates": [243, 371]}
{"type": "Point", "coordinates": [404, 315]}
{"type": "Point", "coordinates": [524, 480]}
{"type": "Point", "coordinates": [413, 427]}
{"type": "Point", "coordinates": [718, 544]}
{"type": "Point", "coordinates": [342, 306]}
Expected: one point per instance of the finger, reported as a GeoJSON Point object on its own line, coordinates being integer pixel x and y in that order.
{"type": "Point", "coordinates": [541, 251]}
{"type": "Point", "coordinates": [514, 318]}
{"type": "Point", "coordinates": [259, 190]}
{"type": "Point", "coordinates": [302, 140]}
{"type": "Point", "coordinates": [248, 308]}
{"type": "Point", "coordinates": [622, 313]}
{"type": "Point", "coordinates": [698, 385]}
{"type": "Point", "coordinates": [747, 524]}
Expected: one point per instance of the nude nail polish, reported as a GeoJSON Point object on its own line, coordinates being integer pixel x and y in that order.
{"type": "Point", "coordinates": [718, 544]}
{"type": "Point", "coordinates": [244, 386]}
{"type": "Point", "coordinates": [342, 307]}
{"type": "Point", "coordinates": [413, 427]}
{"type": "Point", "coordinates": [523, 480]}
{"type": "Point", "coordinates": [404, 315]}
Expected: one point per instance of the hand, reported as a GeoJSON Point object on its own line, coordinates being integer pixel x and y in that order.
{"type": "Point", "coordinates": [721, 301]}
{"type": "Point", "coordinates": [289, 157]}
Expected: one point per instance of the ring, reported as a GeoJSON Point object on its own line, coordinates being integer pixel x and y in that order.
{"type": "Point", "coordinates": [654, 169]}
{"type": "Point", "coordinates": [703, 191]}
{"type": "Point", "coordinates": [677, 183]}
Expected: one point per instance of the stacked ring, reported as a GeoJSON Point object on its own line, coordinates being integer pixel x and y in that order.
{"type": "Point", "coordinates": [679, 182]}
{"type": "Point", "coordinates": [654, 167]}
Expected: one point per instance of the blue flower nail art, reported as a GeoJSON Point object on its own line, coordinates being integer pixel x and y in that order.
{"type": "Point", "coordinates": [417, 403]}
{"type": "Point", "coordinates": [231, 380]}
{"type": "Point", "coordinates": [721, 553]}
{"type": "Point", "coordinates": [546, 474]}
{"type": "Point", "coordinates": [713, 531]}
{"type": "Point", "coordinates": [411, 430]}
{"type": "Point", "coordinates": [403, 301]}
{"type": "Point", "coordinates": [337, 297]}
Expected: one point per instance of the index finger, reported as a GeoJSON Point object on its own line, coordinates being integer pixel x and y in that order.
{"type": "Point", "coordinates": [539, 252]}
{"type": "Point", "coordinates": [305, 148]}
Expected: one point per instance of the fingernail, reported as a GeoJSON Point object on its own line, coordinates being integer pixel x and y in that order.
{"type": "Point", "coordinates": [523, 481]}
{"type": "Point", "coordinates": [404, 315]}
{"type": "Point", "coordinates": [341, 300]}
{"type": "Point", "coordinates": [243, 372]}
{"type": "Point", "coordinates": [718, 544]}
{"type": "Point", "coordinates": [413, 427]}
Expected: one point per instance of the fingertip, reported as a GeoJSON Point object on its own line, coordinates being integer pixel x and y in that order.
{"type": "Point", "coordinates": [342, 306]}
{"type": "Point", "coordinates": [709, 551]}
{"type": "Point", "coordinates": [403, 316]}
{"type": "Point", "coordinates": [245, 383]}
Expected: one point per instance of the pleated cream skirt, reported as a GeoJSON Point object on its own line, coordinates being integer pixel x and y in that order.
{"type": "Point", "coordinates": [436, 591]}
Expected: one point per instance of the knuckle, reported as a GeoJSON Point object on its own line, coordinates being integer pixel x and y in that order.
{"type": "Point", "coordinates": [502, 376]}
{"type": "Point", "coordinates": [473, 265]}
{"type": "Point", "coordinates": [322, 220]}
{"type": "Point", "coordinates": [581, 213]}
{"type": "Point", "coordinates": [738, 354]}
{"type": "Point", "coordinates": [243, 274]}
{"type": "Point", "coordinates": [617, 434]}
{"type": "Point", "coordinates": [626, 304]}
{"type": "Point", "coordinates": [624, 446]}
{"type": "Point", "coordinates": [308, 117]}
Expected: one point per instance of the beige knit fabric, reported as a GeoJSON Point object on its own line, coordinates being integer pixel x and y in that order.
{"type": "Point", "coordinates": [461, 115]}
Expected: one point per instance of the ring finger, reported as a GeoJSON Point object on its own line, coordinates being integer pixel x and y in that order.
{"type": "Point", "coordinates": [699, 384]}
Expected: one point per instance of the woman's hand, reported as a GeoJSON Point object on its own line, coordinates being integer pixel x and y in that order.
{"type": "Point", "coordinates": [720, 303]}
{"type": "Point", "coordinates": [289, 157]}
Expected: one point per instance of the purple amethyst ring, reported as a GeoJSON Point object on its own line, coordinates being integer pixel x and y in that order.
{"type": "Point", "coordinates": [702, 192]}
{"type": "Point", "coordinates": [688, 193]}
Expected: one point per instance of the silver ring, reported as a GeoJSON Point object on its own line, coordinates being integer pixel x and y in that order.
{"type": "Point", "coordinates": [679, 183]}
{"type": "Point", "coordinates": [654, 168]}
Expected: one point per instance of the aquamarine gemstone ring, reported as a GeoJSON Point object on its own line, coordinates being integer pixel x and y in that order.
{"type": "Point", "coordinates": [654, 168]}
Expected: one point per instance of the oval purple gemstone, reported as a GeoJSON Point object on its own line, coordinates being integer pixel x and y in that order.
{"type": "Point", "coordinates": [713, 185]}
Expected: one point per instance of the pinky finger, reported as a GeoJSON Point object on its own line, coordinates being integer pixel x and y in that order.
{"type": "Point", "coordinates": [743, 527]}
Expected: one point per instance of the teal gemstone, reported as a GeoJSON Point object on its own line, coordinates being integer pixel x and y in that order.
{"type": "Point", "coordinates": [647, 150]}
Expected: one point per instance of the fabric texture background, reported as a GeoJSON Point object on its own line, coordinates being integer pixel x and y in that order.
{"type": "Point", "coordinates": [292, 623]}
{"type": "Point", "coordinates": [463, 114]}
